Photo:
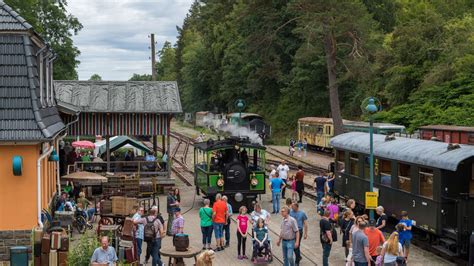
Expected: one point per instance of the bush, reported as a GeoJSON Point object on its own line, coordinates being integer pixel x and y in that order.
{"type": "Point", "coordinates": [80, 254]}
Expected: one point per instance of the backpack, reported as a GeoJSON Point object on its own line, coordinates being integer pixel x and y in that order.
{"type": "Point", "coordinates": [149, 232]}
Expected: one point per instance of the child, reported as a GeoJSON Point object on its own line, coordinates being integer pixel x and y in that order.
{"type": "Point", "coordinates": [333, 209]}
{"type": "Point", "coordinates": [260, 236]}
{"type": "Point", "coordinates": [243, 221]}
{"type": "Point", "coordinates": [379, 260]}
{"type": "Point", "coordinates": [322, 205]}
{"type": "Point", "coordinates": [294, 193]}
{"type": "Point", "coordinates": [405, 236]}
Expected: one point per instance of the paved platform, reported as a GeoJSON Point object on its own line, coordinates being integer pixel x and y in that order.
{"type": "Point", "coordinates": [311, 247]}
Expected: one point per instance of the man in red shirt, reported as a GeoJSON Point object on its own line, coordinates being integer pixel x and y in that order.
{"type": "Point", "coordinates": [219, 219]}
{"type": "Point", "coordinates": [376, 239]}
{"type": "Point", "coordinates": [299, 176]}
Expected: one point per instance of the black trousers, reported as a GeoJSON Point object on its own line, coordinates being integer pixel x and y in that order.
{"type": "Point", "coordinates": [283, 190]}
{"type": "Point", "coordinates": [241, 241]}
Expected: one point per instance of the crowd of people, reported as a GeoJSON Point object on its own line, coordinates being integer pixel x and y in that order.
{"type": "Point", "coordinates": [365, 241]}
{"type": "Point", "coordinates": [300, 147]}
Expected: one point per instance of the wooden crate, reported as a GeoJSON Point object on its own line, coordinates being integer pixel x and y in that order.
{"type": "Point", "coordinates": [123, 205]}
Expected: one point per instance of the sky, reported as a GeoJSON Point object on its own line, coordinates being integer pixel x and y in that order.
{"type": "Point", "coordinates": [114, 41]}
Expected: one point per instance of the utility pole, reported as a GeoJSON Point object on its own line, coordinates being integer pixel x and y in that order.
{"type": "Point", "coordinates": [153, 58]}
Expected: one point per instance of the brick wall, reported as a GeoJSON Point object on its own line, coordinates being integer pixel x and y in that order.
{"type": "Point", "coordinates": [13, 238]}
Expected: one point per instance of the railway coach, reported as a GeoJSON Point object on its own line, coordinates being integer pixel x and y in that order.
{"type": "Point", "coordinates": [432, 180]}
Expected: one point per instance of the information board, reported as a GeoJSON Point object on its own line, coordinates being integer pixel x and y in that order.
{"type": "Point", "coordinates": [371, 200]}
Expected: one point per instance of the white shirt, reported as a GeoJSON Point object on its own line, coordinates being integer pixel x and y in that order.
{"type": "Point", "coordinates": [272, 174]}
{"type": "Point", "coordinates": [283, 171]}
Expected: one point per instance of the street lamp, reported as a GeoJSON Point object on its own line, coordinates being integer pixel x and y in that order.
{"type": "Point", "coordinates": [371, 108]}
{"type": "Point", "coordinates": [240, 104]}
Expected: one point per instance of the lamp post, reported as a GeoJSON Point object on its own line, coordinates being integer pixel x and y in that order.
{"type": "Point", "coordinates": [371, 108]}
{"type": "Point", "coordinates": [240, 104]}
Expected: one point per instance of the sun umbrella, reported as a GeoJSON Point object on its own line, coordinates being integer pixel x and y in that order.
{"type": "Point", "coordinates": [85, 178]}
{"type": "Point", "coordinates": [85, 144]}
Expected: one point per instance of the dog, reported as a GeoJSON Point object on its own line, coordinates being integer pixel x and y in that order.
{"type": "Point", "coordinates": [205, 258]}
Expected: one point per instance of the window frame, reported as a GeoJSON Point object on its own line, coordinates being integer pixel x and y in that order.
{"type": "Point", "coordinates": [383, 173]}
{"type": "Point", "coordinates": [400, 176]}
{"type": "Point", "coordinates": [351, 160]}
{"type": "Point", "coordinates": [422, 172]}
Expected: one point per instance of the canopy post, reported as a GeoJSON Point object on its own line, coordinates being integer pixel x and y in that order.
{"type": "Point", "coordinates": [155, 144]}
{"type": "Point", "coordinates": [168, 162]}
{"type": "Point", "coordinates": [107, 147]}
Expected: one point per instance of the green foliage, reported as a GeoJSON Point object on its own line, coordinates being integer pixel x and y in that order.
{"type": "Point", "coordinates": [416, 56]}
{"type": "Point", "coordinates": [165, 68]}
{"type": "Point", "coordinates": [138, 77]}
{"type": "Point", "coordinates": [81, 253]}
{"type": "Point", "coordinates": [95, 77]}
{"type": "Point", "coordinates": [52, 22]}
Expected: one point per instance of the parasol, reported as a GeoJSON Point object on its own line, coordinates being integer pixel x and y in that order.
{"type": "Point", "coordinates": [85, 178]}
{"type": "Point", "coordinates": [85, 144]}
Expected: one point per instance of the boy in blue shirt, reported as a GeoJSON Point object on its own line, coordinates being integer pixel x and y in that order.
{"type": "Point", "coordinates": [275, 185]}
{"type": "Point", "coordinates": [405, 235]}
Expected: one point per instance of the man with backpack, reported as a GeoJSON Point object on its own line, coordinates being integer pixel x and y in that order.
{"type": "Point", "coordinates": [328, 235]}
{"type": "Point", "coordinates": [152, 234]}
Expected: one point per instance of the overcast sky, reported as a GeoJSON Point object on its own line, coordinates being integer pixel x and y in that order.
{"type": "Point", "coordinates": [114, 42]}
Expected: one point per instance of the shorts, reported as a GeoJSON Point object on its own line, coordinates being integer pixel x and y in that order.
{"type": "Point", "coordinates": [406, 243]}
{"type": "Point", "coordinates": [218, 230]}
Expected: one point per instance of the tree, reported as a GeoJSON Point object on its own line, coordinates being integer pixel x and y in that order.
{"type": "Point", "coordinates": [51, 21]}
{"type": "Point", "coordinates": [166, 66]}
{"type": "Point", "coordinates": [138, 77]}
{"type": "Point", "coordinates": [344, 27]}
{"type": "Point", "coordinates": [95, 77]}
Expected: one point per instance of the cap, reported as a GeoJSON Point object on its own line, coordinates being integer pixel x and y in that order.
{"type": "Point", "coordinates": [372, 222]}
{"type": "Point", "coordinates": [178, 209]}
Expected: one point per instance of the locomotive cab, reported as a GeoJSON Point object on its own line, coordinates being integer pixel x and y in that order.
{"type": "Point", "coordinates": [234, 167]}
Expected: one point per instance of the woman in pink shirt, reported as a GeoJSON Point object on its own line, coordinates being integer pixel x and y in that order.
{"type": "Point", "coordinates": [243, 221]}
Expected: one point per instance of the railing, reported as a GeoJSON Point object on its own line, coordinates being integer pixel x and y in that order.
{"type": "Point", "coordinates": [123, 167]}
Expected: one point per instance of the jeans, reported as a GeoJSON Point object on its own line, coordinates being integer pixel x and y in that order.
{"type": "Point", "coordinates": [218, 230]}
{"type": "Point", "coordinates": [326, 253]}
{"type": "Point", "coordinates": [227, 232]}
{"type": "Point", "coordinates": [297, 250]}
{"type": "Point", "coordinates": [155, 252]}
{"type": "Point", "coordinates": [206, 234]}
{"type": "Point", "coordinates": [170, 224]}
{"type": "Point", "coordinates": [319, 196]}
{"type": "Point", "coordinates": [361, 263]}
{"type": "Point", "coordinates": [90, 213]}
{"type": "Point", "coordinates": [241, 243]}
{"type": "Point", "coordinates": [139, 247]}
{"type": "Point", "coordinates": [276, 201]}
{"type": "Point", "coordinates": [288, 247]}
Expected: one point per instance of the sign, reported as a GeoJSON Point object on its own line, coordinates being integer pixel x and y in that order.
{"type": "Point", "coordinates": [371, 200]}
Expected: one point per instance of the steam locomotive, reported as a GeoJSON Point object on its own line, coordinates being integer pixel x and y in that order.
{"type": "Point", "coordinates": [234, 167]}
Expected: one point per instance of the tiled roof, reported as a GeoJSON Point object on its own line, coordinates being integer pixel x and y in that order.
{"type": "Point", "coordinates": [119, 96]}
{"type": "Point", "coordinates": [21, 115]}
{"type": "Point", "coordinates": [10, 20]}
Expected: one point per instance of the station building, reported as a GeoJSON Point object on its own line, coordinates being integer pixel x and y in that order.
{"type": "Point", "coordinates": [36, 113]}
{"type": "Point", "coordinates": [30, 127]}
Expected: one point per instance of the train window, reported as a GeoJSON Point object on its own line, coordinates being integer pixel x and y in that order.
{"type": "Point", "coordinates": [426, 182]}
{"type": "Point", "coordinates": [404, 179]}
{"type": "Point", "coordinates": [367, 167]}
{"type": "Point", "coordinates": [385, 169]}
{"type": "Point", "coordinates": [354, 164]}
{"type": "Point", "coordinates": [341, 161]}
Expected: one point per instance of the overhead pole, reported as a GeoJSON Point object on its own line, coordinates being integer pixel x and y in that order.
{"type": "Point", "coordinates": [153, 58]}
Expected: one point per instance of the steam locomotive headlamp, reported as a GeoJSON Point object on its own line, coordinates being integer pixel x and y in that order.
{"type": "Point", "coordinates": [254, 180]}
{"type": "Point", "coordinates": [239, 197]}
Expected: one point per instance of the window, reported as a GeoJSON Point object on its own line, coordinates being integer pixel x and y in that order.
{"type": "Point", "coordinates": [426, 182]}
{"type": "Point", "coordinates": [354, 164]}
{"type": "Point", "coordinates": [341, 161]}
{"type": "Point", "coordinates": [404, 179]}
{"type": "Point", "coordinates": [385, 170]}
{"type": "Point", "coordinates": [367, 167]}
